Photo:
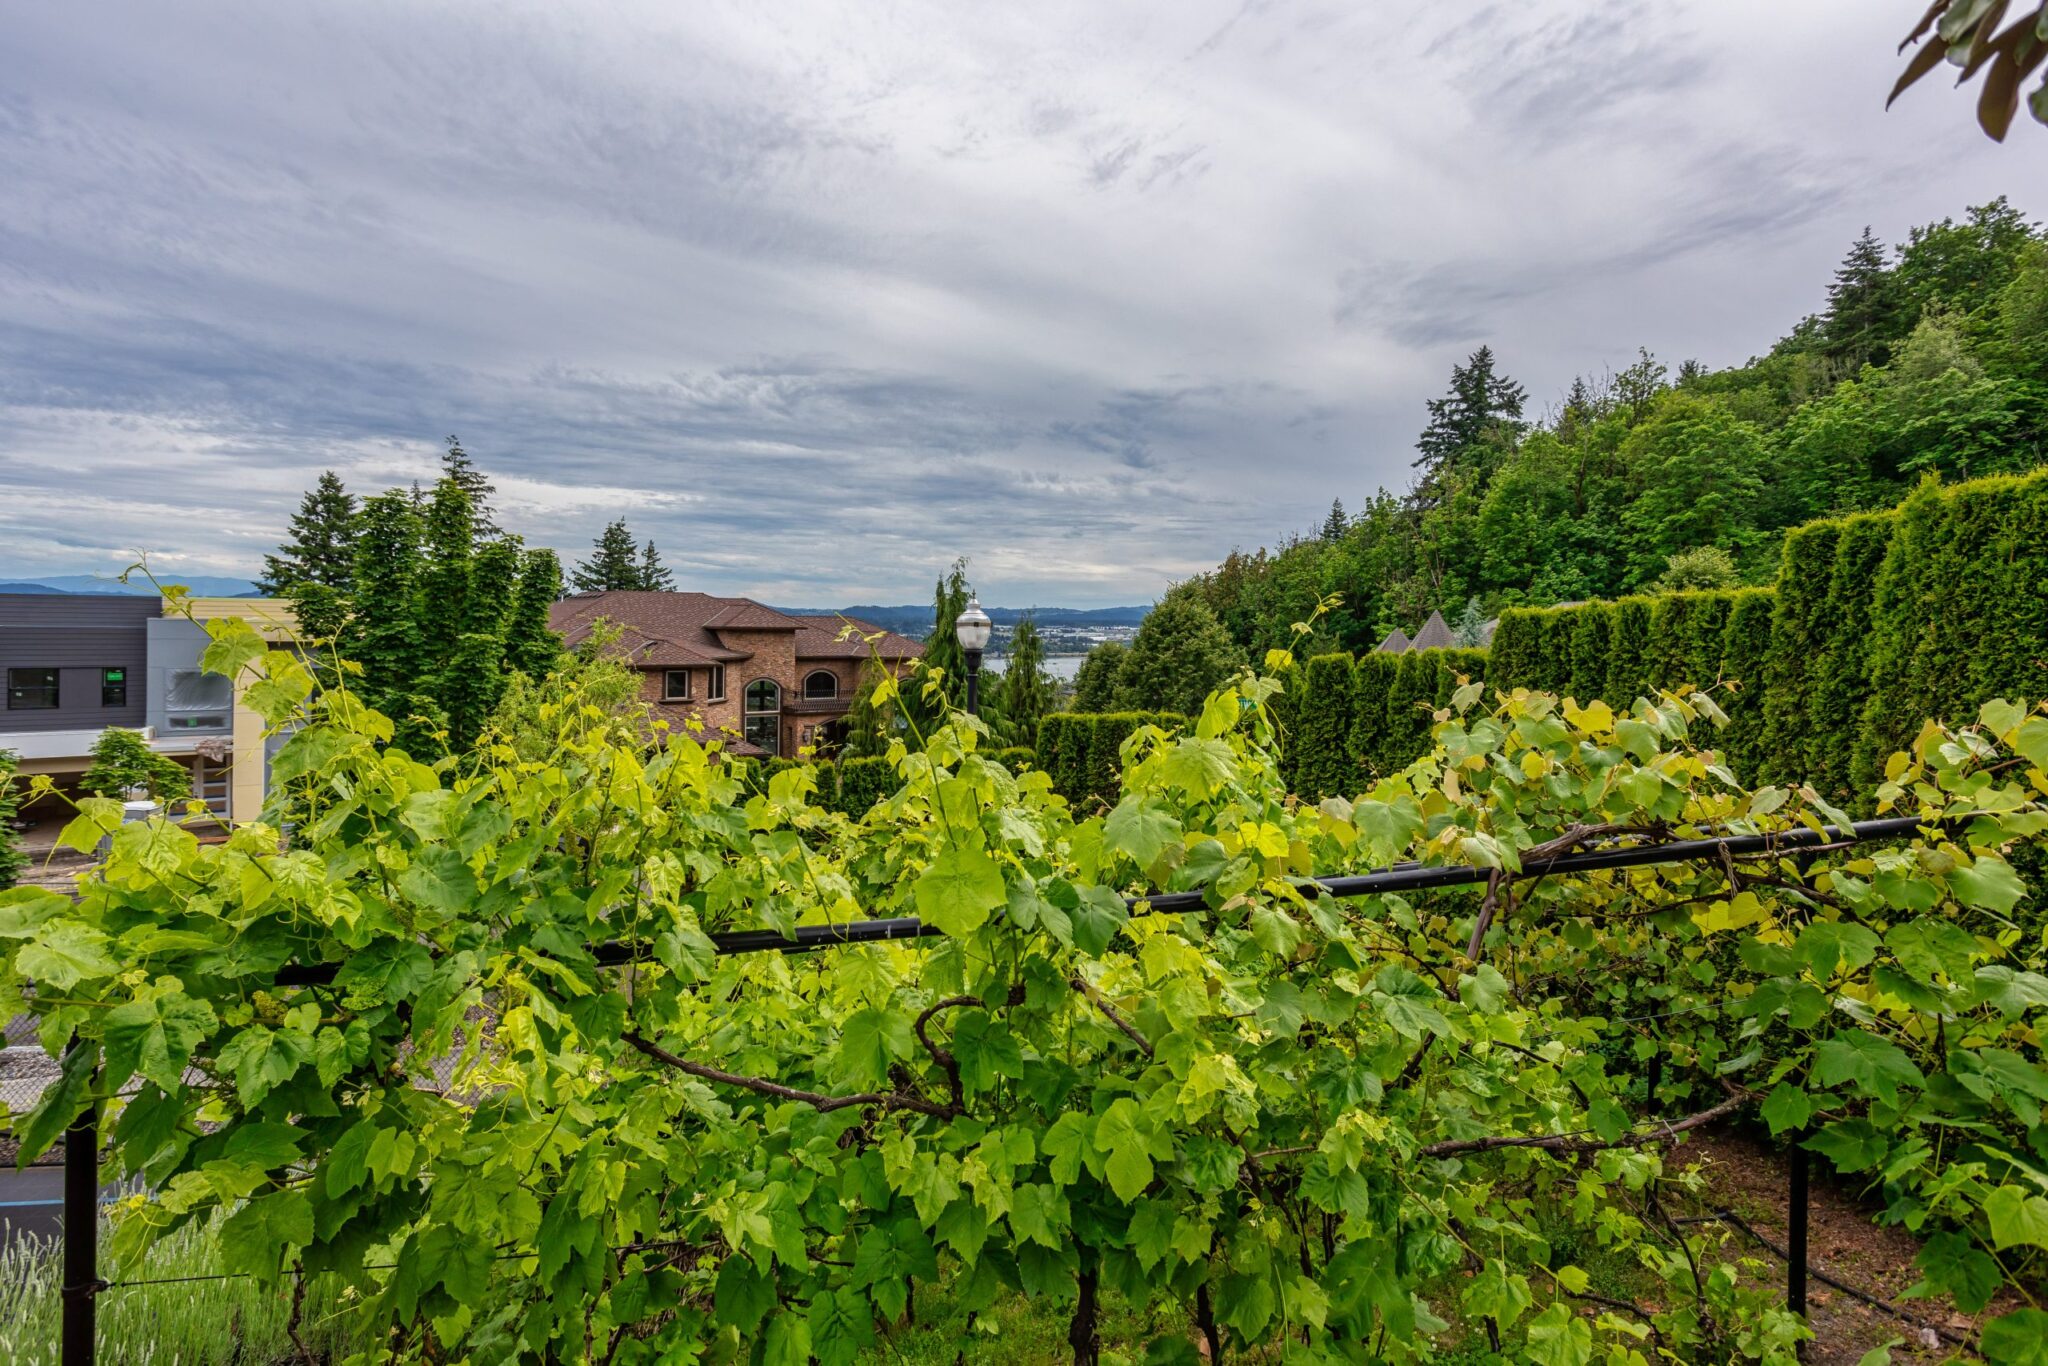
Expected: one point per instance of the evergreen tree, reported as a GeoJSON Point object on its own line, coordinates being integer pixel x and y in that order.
{"type": "Point", "coordinates": [443, 606]}
{"type": "Point", "coordinates": [1480, 406]}
{"type": "Point", "coordinates": [319, 544]}
{"type": "Point", "coordinates": [1027, 690]}
{"type": "Point", "coordinates": [612, 567]}
{"type": "Point", "coordinates": [1863, 306]}
{"type": "Point", "coordinates": [1335, 524]}
{"type": "Point", "coordinates": [1179, 655]}
{"type": "Point", "coordinates": [654, 578]}
{"type": "Point", "coordinates": [382, 635]}
{"type": "Point", "coordinates": [1095, 683]}
{"type": "Point", "coordinates": [474, 679]}
{"type": "Point", "coordinates": [942, 652]}
{"type": "Point", "coordinates": [530, 647]}
{"type": "Point", "coordinates": [456, 464]}
{"type": "Point", "coordinates": [12, 859]}
{"type": "Point", "coordinates": [1470, 632]}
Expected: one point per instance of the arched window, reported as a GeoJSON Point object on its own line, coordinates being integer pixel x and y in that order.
{"type": "Point", "coordinates": [762, 720]}
{"type": "Point", "coordinates": [821, 685]}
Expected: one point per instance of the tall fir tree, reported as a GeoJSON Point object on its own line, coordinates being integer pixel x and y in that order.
{"type": "Point", "coordinates": [1481, 406]}
{"type": "Point", "coordinates": [654, 577]}
{"type": "Point", "coordinates": [530, 647]}
{"type": "Point", "coordinates": [474, 679]}
{"type": "Point", "coordinates": [444, 583]}
{"type": "Point", "coordinates": [612, 567]}
{"type": "Point", "coordinates": [1027, 690]}
{"type": "Point", "coordinates": [457, 464]}
{"type": "Point", "coordinates": [1863, 306]}
{"type": "Point", "coordinates": [382, 634]}
{"type": "Point", "coordinates": [1336, 524]}
{"type": "Point", "coordinates": [319, 544]}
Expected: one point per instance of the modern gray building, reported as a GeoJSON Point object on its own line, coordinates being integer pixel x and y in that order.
{"type": "Point", "coordinates": [75, 664]}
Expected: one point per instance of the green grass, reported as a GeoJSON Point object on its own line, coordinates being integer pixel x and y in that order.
{"type": "Point", "coordinates": [192, 1323]}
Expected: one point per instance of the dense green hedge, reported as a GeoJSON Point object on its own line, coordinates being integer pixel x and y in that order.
{"type": "Point", "coordinates": [1348, 720]}
{"type": "Point", "coordinates": [1621, 650]}
{"type": "Point", "coordinates": [854, 785]}
{"type": "Point", "coordinates": [1081, 750]}
{"type": "Point", "coordinates": [1878, 622]}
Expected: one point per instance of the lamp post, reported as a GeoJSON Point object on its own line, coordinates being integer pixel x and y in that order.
{"type": "Point", "coordinates": [971, 628]}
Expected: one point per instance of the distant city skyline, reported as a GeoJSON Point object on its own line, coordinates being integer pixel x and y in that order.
{"type": "Point", "coordinates": [821, 298]}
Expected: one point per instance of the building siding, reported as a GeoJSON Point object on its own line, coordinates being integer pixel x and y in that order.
{"type": "Point", "coordinates": [78, 635]}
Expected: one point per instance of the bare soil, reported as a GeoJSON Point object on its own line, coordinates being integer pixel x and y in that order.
{"type": "Point", "coordinates": [1749, 1176]}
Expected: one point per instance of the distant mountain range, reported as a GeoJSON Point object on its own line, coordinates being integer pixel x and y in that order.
{"type": "Point", "coordinates": [206, 585]}
{"type": "Point", "coordinates": [915, 620]}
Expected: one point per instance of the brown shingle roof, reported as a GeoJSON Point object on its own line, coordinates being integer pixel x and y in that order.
{"type": "Point", "coordinates": [677, 630]}
{"type": "Point", "coordinates": [1396, 643]}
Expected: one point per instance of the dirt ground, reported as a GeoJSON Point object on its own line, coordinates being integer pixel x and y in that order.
{"type": "Point", "coordinates": [1749, 1177]}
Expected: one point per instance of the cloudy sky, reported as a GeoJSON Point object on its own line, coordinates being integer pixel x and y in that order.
{"type": "Point", "coordinates": [820, 295]}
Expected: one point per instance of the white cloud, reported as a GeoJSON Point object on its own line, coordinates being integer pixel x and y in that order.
{"type": "Point", "coordinates": [821, 295]}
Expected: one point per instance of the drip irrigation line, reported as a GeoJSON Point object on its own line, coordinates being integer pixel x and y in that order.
{"type": "Point", "coordinates": [1406, 877]}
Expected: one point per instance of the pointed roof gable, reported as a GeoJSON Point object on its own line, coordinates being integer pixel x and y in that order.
{"type": "Point", "coordinates": [1396, 643]}
{"type": "Point", "coordinates": [1434, 635]}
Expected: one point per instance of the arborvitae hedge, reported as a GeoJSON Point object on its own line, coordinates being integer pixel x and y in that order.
{"type": "Point", "coordinates": [1325, 765]}
{"type": "Point", "coordinates": [1357, 719]}
{"type": "Point", "coordinates": [1372, 679]}
{"type": "Point", "coordinates": [1745, 644]}
{"type": "Point", "coordinates": [1800, 631]}
{"type": "Point", "coordinates": [1081, 751]}
{"type": "Point", "coordinates": [1838, 678]}
{"type": "Point", "coordinates": [1591, 646]}
{"type": "Point", "coordinates": [854, 785]}
{"type": "Point", "coordinates": [1628, 647]}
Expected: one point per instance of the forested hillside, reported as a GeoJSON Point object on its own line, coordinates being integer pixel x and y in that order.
{"type": "Point", "coordinates": [1930, 357]}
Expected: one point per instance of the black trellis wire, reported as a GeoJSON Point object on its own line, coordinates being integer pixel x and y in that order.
{"type": "Point", "coordinates": [82, 1285]}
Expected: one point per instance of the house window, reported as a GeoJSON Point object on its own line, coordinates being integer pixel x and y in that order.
{"type": "Point", "coordinates": [763, 714]}
{"type": "Point", "coordinates": [675, 685]}
{"type": "Point", "coordinates": [714, 688]}
{"type": "Point", "coordinates": [31, 689]}
{"type": "Point", "coordinates": [821, 685]}
{"type": "Point", "coordinates": [113, 687]}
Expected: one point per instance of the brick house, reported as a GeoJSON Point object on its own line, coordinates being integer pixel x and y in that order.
{"type": "Point", "coordinates": [780, 682]}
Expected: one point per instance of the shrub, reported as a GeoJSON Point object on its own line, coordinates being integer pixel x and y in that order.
{"type": "Point", "coordinates": [12, 860]}
{"type": "Point", "coordinates": [122, 759]}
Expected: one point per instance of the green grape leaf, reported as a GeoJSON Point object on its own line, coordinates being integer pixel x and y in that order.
{"type": "Point", "coordinates": [255, 1239]}
{"type": "Point", "coordinates": [960, 889]}
{"type": "Point", "coordinates": [869, 1041]}
{"type": "Point", "coordinates": [1988, 882]}
{"type": "Point", "coordinates": [63, 953]}
{"type": "Point", "coordinates": [2016, 1339]}
{"type": "Point", "coordinates": [2016, 1217]}
{"type": "Point", "coordinates": [1120, 1138]}
{"type": "Point", "coordinates": [1557, 1337]}
{"type": "Point", "coordinates": [1874, 1066]}
{"type": "Point", "coordinates": [1828, 946]}
{"type": "Point", "coordinates": [1851, 1144]}
{"type": "Point", "coordinates": [1141, 828]}
{"type": "Point", "coordinates": [1786, 1107]}
{"type": "Point", "coordinates": [1096, 917]}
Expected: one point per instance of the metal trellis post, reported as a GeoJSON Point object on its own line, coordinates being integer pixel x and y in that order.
{"type": "Point", "coordinates": [81, 1236]}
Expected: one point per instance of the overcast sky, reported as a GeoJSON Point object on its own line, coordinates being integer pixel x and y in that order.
{"type": "Point", "coordinates": [821, 295]}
